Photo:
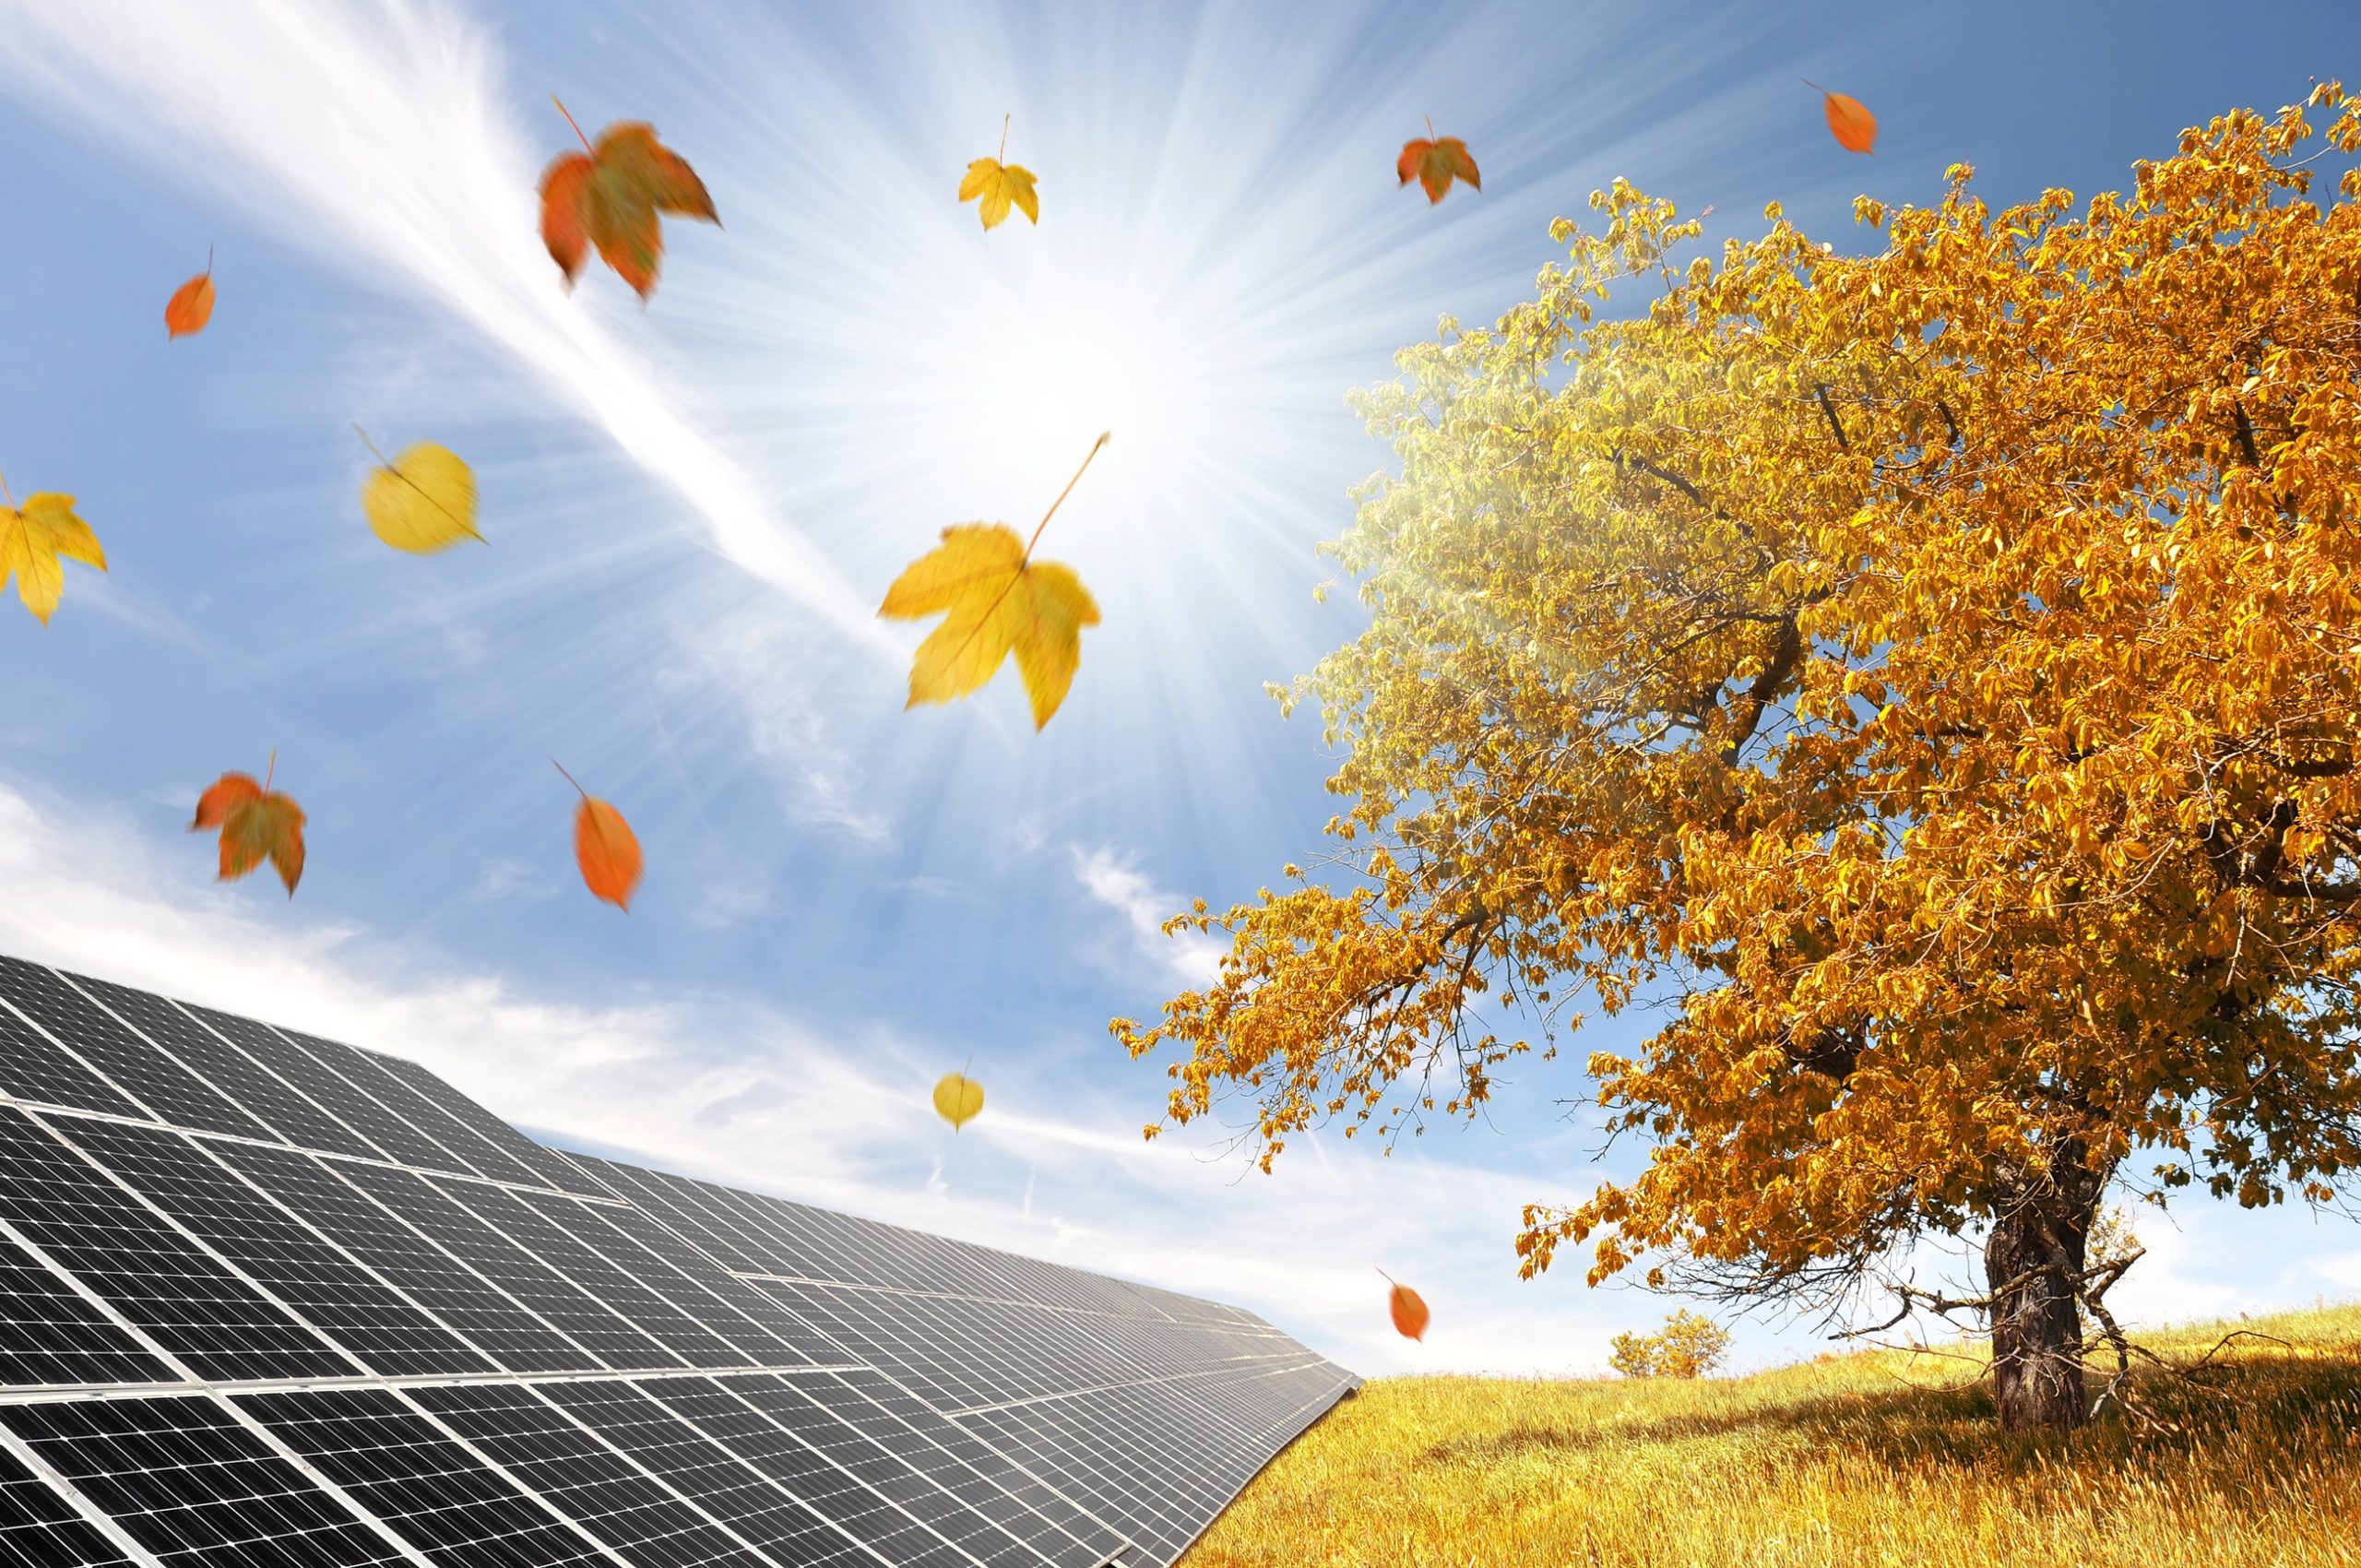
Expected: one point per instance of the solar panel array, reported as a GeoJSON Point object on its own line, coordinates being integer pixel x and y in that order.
{"type": "Point", "coordinates": [270, 1301]}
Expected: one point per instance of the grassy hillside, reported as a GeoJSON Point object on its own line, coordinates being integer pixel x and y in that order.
{"type": "Point", "coordinates": [1858, 1460]}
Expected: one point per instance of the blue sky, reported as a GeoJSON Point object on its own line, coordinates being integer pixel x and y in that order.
{"type": "Point", "coordinates": [694, 507]}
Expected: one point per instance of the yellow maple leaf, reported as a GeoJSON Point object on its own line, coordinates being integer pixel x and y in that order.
{"type": "Point", "coordinates": [35, 540]}
{"type": "Point", "coordinates": [995, 599]}
{"type": "Point", "coordinates": [1000, 185]}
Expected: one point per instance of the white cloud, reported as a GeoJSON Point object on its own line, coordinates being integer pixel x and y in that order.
{"type": "Point", "coordinates": [1117, 881]}
{"type": "Point", "coordinates": [501, 879]}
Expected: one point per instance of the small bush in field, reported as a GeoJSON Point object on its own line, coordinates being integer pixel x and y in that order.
{"type": "Point", "coordinates": [1690, 1346]}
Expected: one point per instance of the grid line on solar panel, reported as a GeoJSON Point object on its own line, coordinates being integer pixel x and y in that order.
{"type": "Point", "coordinates": [35, 1067]}
{"type": "Point", "coordinates": [286, 1115]}
{"type": "Point", "coordinates": [587, 1478]}
{"type": "Point", "coordinates": [273, 1245]}
{"type": "Point", "coordinates": [677, 1339]}
{"type": "Point", "coordinates": [428, 1486]}
{"type": "Point", "coordinates": [46, 1522]}
{"type": "Point", "coordinates": [321, 1064]}
{"type": "Point", "coordinates": [725, 1484]}
{"type": "Point", "coordinates": [967, 1516]}
{"type": "Point", "coordinates": [474, 1307]}
{"type": "Point", "coordinates": [367, 1072]}
{"type": "Point", "coordinates": [153, 1273]}
{"type": "Point", "coordinates": [848, 1503]}
{"type": "Point", "coordinates": [190, 1483]}
{"type": "Point", "coordinates": [551, 1168]}
{"type": "Point", "coordinates": [52, 1331]}
{"type": "Point", "coordinates": [758, 1327]}
{"type": "Point", "coordinates": [875, 1403]}
{"type": "Point", "coordinates": [149, 1074]}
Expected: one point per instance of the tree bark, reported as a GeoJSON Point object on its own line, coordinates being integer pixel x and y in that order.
{"type": "Point", "coordinates": [2032, 1264]}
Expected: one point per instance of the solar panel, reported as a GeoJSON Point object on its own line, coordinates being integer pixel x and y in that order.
{"type": "Point", "coordinates": [270, 1300]}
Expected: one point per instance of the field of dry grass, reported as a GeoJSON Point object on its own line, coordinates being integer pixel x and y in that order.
{"type": "Point", "coordinates": [1861, 1460]}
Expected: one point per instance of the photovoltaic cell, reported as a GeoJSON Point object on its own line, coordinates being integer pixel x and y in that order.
{"type": "Point", "coordinates": [163, 1085]}
{"type": "Point", "coordinates": [365, 1070]}
{"type": "Point", "coordinates": [41, 1529]}
{"type": "Point", "coordinates": [200, 1312]}
{"type": "Point", "coordinates": [604, 1338]}
{"type": "Point", "coordinates": [891, 1475]}
{"type": "Point", "coordinates": [456, 1295]}
{"type": "Point", "coordinates": [34, 1067]}
{"type": "Point", "coordinates": [806, 1472]}
{"type": "Point", "coordinates": [271, 1246]}
{"type": "Point", "coordinates": [546, 1166]}
{"type": "Point", "coordinates": [683, 1341]}
{"type": "Point", "coordinates": [561, 1460]}
{"type": "Point", "coordinates": [432, 1492]}
{"type": "Point", "coordinates": [186, 1481]}
{"type": "Point", "coordinates": [49, 1334]}
{"type": "Point", "coordinates": [256, 1091]}
{"type": "Point", "coordinates": [724, 1485]}
{"type": "Point", "coordinates": [761, 1332]}
{"type": "Point", "coordinates": [961, 1463]}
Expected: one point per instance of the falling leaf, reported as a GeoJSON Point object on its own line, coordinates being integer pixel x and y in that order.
{"type": "Point", "coordinates": [604, 847]}
{"type": "Point", "coordinates": [255, 821]}
{"type": "Point", "coordinates": [1000, 185]}
{"type": "Point", "coordinates": [191, 305]}
{"type": "Point", "coordinates": [422, 501]}
{"type": "Point", "coordinates": [1409, 1311]}
{"type": "Point", "coordinates": [1856, 128]}
{"type": "Point", "coordinates": [32, 540]}
{"type": "Point", "coordinates": [1433, 162]}
{"type": "Point", "coordinates": [958, 1098]}
{"type": "Point", "coordinates": [610, 196]}
{"type": "Point", "coordinates": [995, 599]}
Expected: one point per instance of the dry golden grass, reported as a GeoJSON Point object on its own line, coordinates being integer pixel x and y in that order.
{"type": "Point", "coordinates": [1861, 1460]}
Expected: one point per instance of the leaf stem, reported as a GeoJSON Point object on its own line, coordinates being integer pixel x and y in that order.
{"type": "Point", "coordinates": [570, 121]}
{"type": "Point", "coordinates": [1104, 436]}
{"type": "Point", "coordinates": [1814, 86]}
{"type": "Point", "coordinates": [208, 261]}
{"type": "Point", "coordinates": [272, 771]}
{"type": "Point", "coordinates": [1430, 127]}
{"type": "Point", "coordinates": [570, 778]}
{"type": "Point", "coordinates": [4, 491]}
{"type": "Point", "coordinates": [1387, 1277]}
{"type": "Point", "coordinates": [1003, 137]}
{"type": "Point", "coordinates": [964, 1079]}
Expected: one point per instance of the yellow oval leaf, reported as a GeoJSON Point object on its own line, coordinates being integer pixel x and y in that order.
{"type": "Point", "coordinates": [958, 1098]}
{"type": "Point", "coordinates": [424, 500]}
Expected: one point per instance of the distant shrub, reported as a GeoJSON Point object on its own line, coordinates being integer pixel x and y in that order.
{"type": "Point", "coordinates": [1688, 1346]}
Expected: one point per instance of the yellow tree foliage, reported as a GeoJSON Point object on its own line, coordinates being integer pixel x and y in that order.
{"type": "Point", "coordinates": [1933, 675]}
{"type": "Point", "coordinates": [1689, 1347]}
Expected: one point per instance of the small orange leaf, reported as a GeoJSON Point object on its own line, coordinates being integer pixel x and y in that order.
{"type": "Point", "coordinates": [255, 822]}
{"type": "Point", "coordinates": [1409, 1311]}
{"type": "Point", "coordinates": [605, 848]}
{"type": "Point", "coordinates": [1856, 128]}
{"type": "Point", "coordinates": [191, 305]}
{"type": "Point", "coordinates": [1434, 163]}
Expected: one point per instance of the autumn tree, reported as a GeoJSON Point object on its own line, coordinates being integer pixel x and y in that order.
{"type": "Point", "coordinates": [1930, 675]}
{"type": "Point", "coordinates": [1688, 1346]}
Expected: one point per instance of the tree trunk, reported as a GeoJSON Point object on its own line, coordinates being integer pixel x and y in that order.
{"type": "Point", "coordinates": [2038, 1235]}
